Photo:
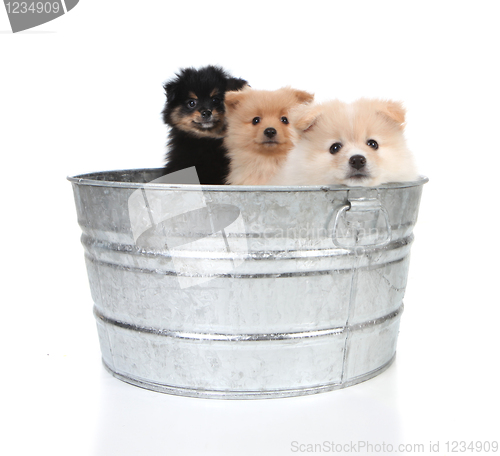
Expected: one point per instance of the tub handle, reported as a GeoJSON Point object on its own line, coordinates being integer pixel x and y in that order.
{"type": "Point", "coordinates": [362, 205]}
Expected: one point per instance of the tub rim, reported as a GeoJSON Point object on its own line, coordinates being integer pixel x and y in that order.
{"type": "Point", "coordinates": [91, 180]}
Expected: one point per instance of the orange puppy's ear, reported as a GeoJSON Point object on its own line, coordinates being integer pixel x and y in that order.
{"type": "Point", "coordinates": [303, 117]}
{"type": "Point", "coordinates": [303, 97]}
{"type": "Point", "coordinates": [233, 99]}
{"type": "Point", "coordinates": [394, 110]}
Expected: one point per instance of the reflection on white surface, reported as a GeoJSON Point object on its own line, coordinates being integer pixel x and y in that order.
{"type": "Point", "coordinates": [135, 421]}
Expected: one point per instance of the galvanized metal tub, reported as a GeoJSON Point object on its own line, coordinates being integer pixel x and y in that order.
{"type": "Point", "coordinates": [245, 292]}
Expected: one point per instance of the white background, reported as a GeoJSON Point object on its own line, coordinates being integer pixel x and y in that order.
{"type": "Point", "coordinates": [84, 93]}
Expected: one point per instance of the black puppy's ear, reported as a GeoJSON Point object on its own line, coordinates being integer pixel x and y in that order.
{"type": "Point", "coordinates": [170, 90]}
{"type": "Point", "coordinates": [235, 84]}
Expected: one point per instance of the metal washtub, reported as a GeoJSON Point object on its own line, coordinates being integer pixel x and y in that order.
{"type": "Point", "coordinates": [244, 292]}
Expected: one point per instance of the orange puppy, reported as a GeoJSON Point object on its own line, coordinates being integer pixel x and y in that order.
{"type": "Point", "coordinates": [259, 136]}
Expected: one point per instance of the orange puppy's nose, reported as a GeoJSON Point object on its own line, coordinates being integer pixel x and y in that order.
{"type": "Point", "coordinates": [270, 132]}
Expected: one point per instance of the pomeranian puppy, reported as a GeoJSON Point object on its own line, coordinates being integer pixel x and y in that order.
{"type": "Point", "coordinates": [194, 110]}
{"type": "Point", "coordinates": [356, 144]}
{"type": "Point", "coordinates": [259, 136]}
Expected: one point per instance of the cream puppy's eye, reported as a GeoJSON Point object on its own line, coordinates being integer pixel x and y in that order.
{"type": "Point", "coordinates": [256, 120]}
{"type": "Point", "coordinates": [372, 143]}
{"type": "Point", "coordinates": [284, 120]}
{"type": "Point", "coordinates": [334, 148]}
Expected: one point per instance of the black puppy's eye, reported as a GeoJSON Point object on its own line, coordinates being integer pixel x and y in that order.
{"type": "Point", "coordinates": [372, 143]}
{"type": "Point", "coordinates": [256, 120]}
{"type": "Point", "coordinates": [216, 101]}
{"type": "Point", "coordinates": [192, 103]}
{"type": "Point", "coordinates": [334, 148]}
{"type": "Point", "coordinates": [284, 120]}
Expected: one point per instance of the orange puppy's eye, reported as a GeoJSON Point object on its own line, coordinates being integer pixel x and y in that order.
{"type": "Point", "coordinates": [256, 120]}
{"type": "Point", "coordinates": [284, 120]}
{"type": "Point", "coordinates": [372, 143]}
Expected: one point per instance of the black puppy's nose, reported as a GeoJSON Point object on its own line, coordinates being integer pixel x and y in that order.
{"type": "Point", "coordinates": [357, 161]}
{"type": "Point", "coordinates": [206, 114]}
{"type": "Point", "coordinates": [270, 132]}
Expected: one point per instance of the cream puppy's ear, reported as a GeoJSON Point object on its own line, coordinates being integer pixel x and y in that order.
{"type": "Point", "coordinates": [233, 99]}
{"type": "Point", "coordinates": [304, 116]}
{"type": "Point", "coordinates": [394, 110]}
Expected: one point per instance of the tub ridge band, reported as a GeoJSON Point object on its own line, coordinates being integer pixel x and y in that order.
{"type": "Point", "coordinates": [246, 394]}
{"type": "Point", "coordinates": [247, 337]}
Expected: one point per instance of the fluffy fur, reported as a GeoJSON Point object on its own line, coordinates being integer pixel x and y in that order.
{"type": "Point", "coordinates": [194, 110]}
{"type": "Point", "coordinates": [357, 144]}
{"type": "Point", "coordinates": [259, 136]}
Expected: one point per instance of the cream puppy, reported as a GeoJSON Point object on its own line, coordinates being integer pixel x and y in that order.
{"type": "Point", "coordinates": [356, 144]}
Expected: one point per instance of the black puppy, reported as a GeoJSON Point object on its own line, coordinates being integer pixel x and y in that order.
{"type": "Point", "coordinates": [194, 110]}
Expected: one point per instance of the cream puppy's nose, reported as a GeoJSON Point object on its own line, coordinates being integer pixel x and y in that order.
{"type": "Point", "coordinates": [357, 161]}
